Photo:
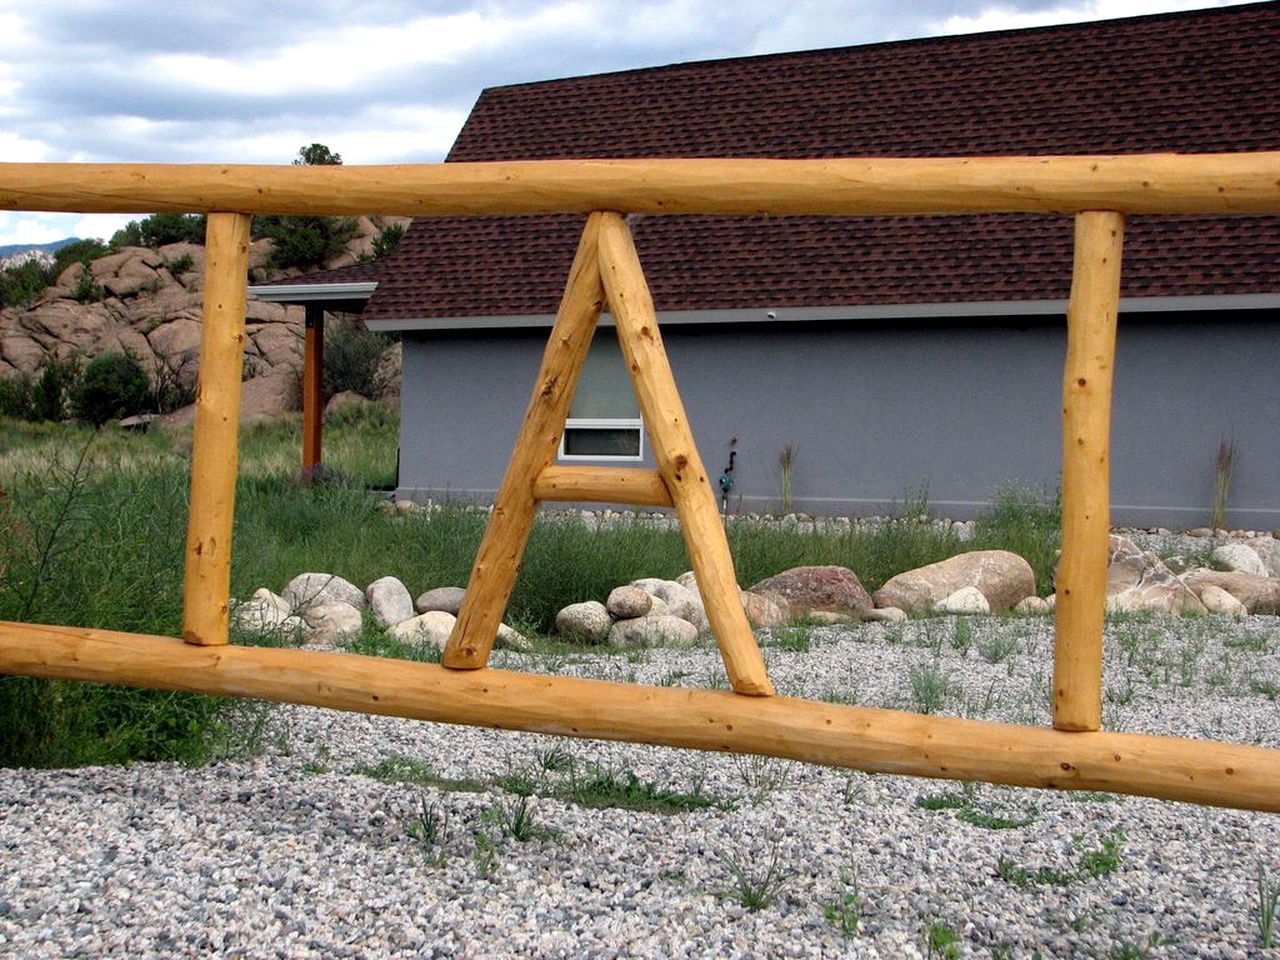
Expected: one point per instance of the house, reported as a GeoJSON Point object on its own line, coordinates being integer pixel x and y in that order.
{"type": "Point", "coordinates": [892, 357]}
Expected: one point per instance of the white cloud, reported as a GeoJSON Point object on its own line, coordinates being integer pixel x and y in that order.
{"type": "Point", "coordinates": [1007, 17]}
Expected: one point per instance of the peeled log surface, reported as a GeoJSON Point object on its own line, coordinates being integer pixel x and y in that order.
{"type": "Point", "coordinates": [861, 738]}
{"type": "Point", "coordinates": [1145, 183]}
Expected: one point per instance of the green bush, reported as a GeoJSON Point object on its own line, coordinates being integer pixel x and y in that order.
{"type": "Point", "coordinates": [304, 241]}
{"type": "Point", "coordinates": [87, 288]}
{"type": "Point", "coordinates": [17, 397]}
{"type": "Point", "coordinates": [21, 284]}
{"type": "Point", "coordinates": [81, 251]}
{"type": "Point", "coordinates": [160, 229]}
{"type": "Point", "coordinates": [352, 359]}
{"type": "Point", "coordinates": [388, 241]}
{"type": "Point", "coordinates": [113, 385]}
{"type": "Point", "coordinates": [53, 390]}
{"type": "Point", "coordinates": [1027, 522]}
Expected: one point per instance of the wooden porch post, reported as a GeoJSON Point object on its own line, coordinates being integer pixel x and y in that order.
{"type": "Point", "coordinates": [312, 387]}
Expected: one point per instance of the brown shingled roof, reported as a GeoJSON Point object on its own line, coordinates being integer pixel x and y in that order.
{"type": "Point", "coordinates": [1196, 82]}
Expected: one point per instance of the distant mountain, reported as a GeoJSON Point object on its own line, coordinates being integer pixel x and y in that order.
{"type": "Point", "coordinates": [12, 248]}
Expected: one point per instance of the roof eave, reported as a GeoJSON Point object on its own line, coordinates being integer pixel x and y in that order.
{"type": "Point", "coordinates": [890, 311]}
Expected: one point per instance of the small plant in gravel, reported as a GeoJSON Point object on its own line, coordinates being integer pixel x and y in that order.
{"type": "Point", "coordinates": [845, 911]}
{"type": "Point", "coordinates": [556, 760]}
{"type": "Point", "coordinates": [1268, 901]}
{"type": "Point", "coordinates": [1131, 950]}
{"type": "Point", "coordinates": [930, 686]}
{"type": "Point", "coordinates": [1101, 861]}
{"type": "Point", "coordinates": [394, 768]}
{"type": "Point", "coordinates": [997, 648]}
{"type": "Point", "coordinates": [754, 888]}
{"type": "Point", "coordinates": [969, 808]}
{"type": "Point", "coordinates": [485, 856]}
{"type": "Point", "coordinates": [941, 942]}
{"type": "Point", "coordinates": [429, 829]}
{"type": "Point", "coordinates": [515, 820]}
{"type": "Point", "coordinates": [793, 639]}
{"type": "Point", "coordinates": [603, 787]}
{"type": "Point", "coordinates": [762, 775]}
{"type": "Point", "coordinates": [1105, 860]}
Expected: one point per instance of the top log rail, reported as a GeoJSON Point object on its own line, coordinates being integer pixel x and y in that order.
{"type": "Point", "coordinates": [1225, 183]}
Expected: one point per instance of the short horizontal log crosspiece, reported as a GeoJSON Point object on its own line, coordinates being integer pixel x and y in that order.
{"type": "Point", "coordinates": [607, 272]}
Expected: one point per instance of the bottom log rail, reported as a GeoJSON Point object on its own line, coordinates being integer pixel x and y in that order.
{"type": "Point", "coordinates": [860, 738]}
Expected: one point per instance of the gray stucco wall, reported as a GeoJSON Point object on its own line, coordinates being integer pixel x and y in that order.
{"type": "Point", "coordinates": [881, 413]}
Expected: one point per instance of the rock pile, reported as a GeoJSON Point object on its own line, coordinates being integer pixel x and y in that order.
{"type": "Point", "coordinates": [321, 609]}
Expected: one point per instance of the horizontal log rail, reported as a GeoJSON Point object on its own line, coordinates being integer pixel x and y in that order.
{"type": "Point", "coordinates": [631, 485]}
{"type": "Point", "coordinates": [1149, 183]}
{"type": "Point", "coordinates": [860, 738]}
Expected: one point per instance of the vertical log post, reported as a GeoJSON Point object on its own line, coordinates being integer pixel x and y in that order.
{"type": "Point", "coordinates": [498, 559]}
{"type": "Point", "coordinates": [207, 583]}
{"type": "Point", "coordinates": [677, 455]}
{"type": "Point", "coordinates": [312, 387]}
{"type": "Point", "coordinates": [1086, 470]}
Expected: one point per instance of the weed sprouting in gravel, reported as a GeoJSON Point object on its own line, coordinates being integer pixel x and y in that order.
{"type": "Point", "coordinates": [753, 886]}
{"type": "Point", "coordinates": [844, 912]}
{"type": "Point", "coordinates": [1268, 902]}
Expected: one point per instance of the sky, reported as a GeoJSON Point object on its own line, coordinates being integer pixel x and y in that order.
{"type": "Point", "coordinates": [382, 81]}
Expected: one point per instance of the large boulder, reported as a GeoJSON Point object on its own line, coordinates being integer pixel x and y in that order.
{"type": "Point", "coordinates": [448, 599]}
{"type": "Point", "coordinates": [333, 623]}
{"type": "Point", "coordinates": [1258, 594]}
{"type": "Point", "coordinates": [312, 589]}
{"type": "Point", "coordinates": [1241, 558]}
{"type": "Point", "coordinates": [765, 609]}
{"type": "Point", "coordinates": [652, 632]}
{"type": "Point", "coordinates": [628, 603]}
{"type": "Point", "coordinates": [389, 601]}
{"type": "Point", "coordinates": [1217, 600]}
{"type": "Point", "coordinates": [1268, 551]}
{"type": "Point", "coordinates": [819, 588]}
{"type": "Point", "coordinates": [588, 621]}
{"type": "Point", "coordinates": [1137, 580]}
{"type": "Point", "coordinates": [1002, 577]}
{"type": "Point", "coordinates": [965, 601]}
{"type": "Point", "coordinates": [430, 629]}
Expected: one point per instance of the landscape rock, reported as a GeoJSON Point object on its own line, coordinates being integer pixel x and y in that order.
{"type": "Point", "coordinates": [1239, 557]}
{"type": "Point", "coordinates": [1002, 577]}
{"type": "Point", "coordinates": [1268, 551]}
{"type": "Point", "coordinates": [680, 601]}
{"type": "Point", "coordinates": [429, 629]}
{"type": "Point", "coordinates": [765, 610]}
{"type": "Point", "coordinates": [628, 603]}
{"type": "Point", "coordinates": [508, 638]}
{"type": "Point", "coordinates": [448, 599]}
{"type": "Point", "coordinates": [1217, 600]}
{"type": "Point", "coordinates": [817, 588]}
{"type": "Point", "coordinates": [1258, 594]}
{"type": "Point", "coordinates": [264, 595]}
{"type": "Point", "coordinates": [345, 400]}
{"type": "Point", "coordinates": [1137, 580]}
{"type": "Point", "coordinates": [1031, 605]}
{"type": "Point", "coordinates": [313, 589]}
{"type": "Point", "coordinates": [653, 631]}
{"type": "Point", "coordinates": [588, 621]}
{"type": "Point", "coordinates": [259, 616]}
{"type": "Point", "coordinates": [389, 601]}
{"type": "Point", "coordinates": [333, 623]}
{"type": "Point", "coordinates": [965, 601]}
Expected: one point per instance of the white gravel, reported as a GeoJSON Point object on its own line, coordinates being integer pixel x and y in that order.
{"type": "Point", "coordinates": [298, 854]}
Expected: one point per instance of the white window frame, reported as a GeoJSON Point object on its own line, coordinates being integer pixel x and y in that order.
{"type": "Point", "coordinates": [582, 423]}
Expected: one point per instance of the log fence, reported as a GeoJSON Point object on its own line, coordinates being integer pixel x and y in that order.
{"type": "Point", "coordinates": [607, 275]}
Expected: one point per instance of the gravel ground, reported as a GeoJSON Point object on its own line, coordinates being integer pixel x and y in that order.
{"type": "Point", "coordinates": [322, 846]}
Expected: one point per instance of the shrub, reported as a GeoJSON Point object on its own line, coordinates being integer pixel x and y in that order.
{"type": "Point", "coordinates": [175, 381]}
{"type": "Point", "coordinates": [386, 242]}
{"type": "Point", "coordinates": [160, 229]}
{"type": "Point", "coordinates": [113, 385]}
{"type": "Point", "coordinates": [17, 397]}
{"type": "Point", "coordinates": [87, 289]}
{"type": "Point", "coordinates": [353, 359]}
{"type": "Point", "coordinates": [1023, 520]}
{"type": "Point", "coordinates": [81, 251]}
{"type": "Point", "coordinates": [53, 390]}
{"type": "Point", "coordinates": [183, 264]}
{"type": "Point", "coordinates": [21, 284]}
{"type": "Point", "coordinates": [305, 241]}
